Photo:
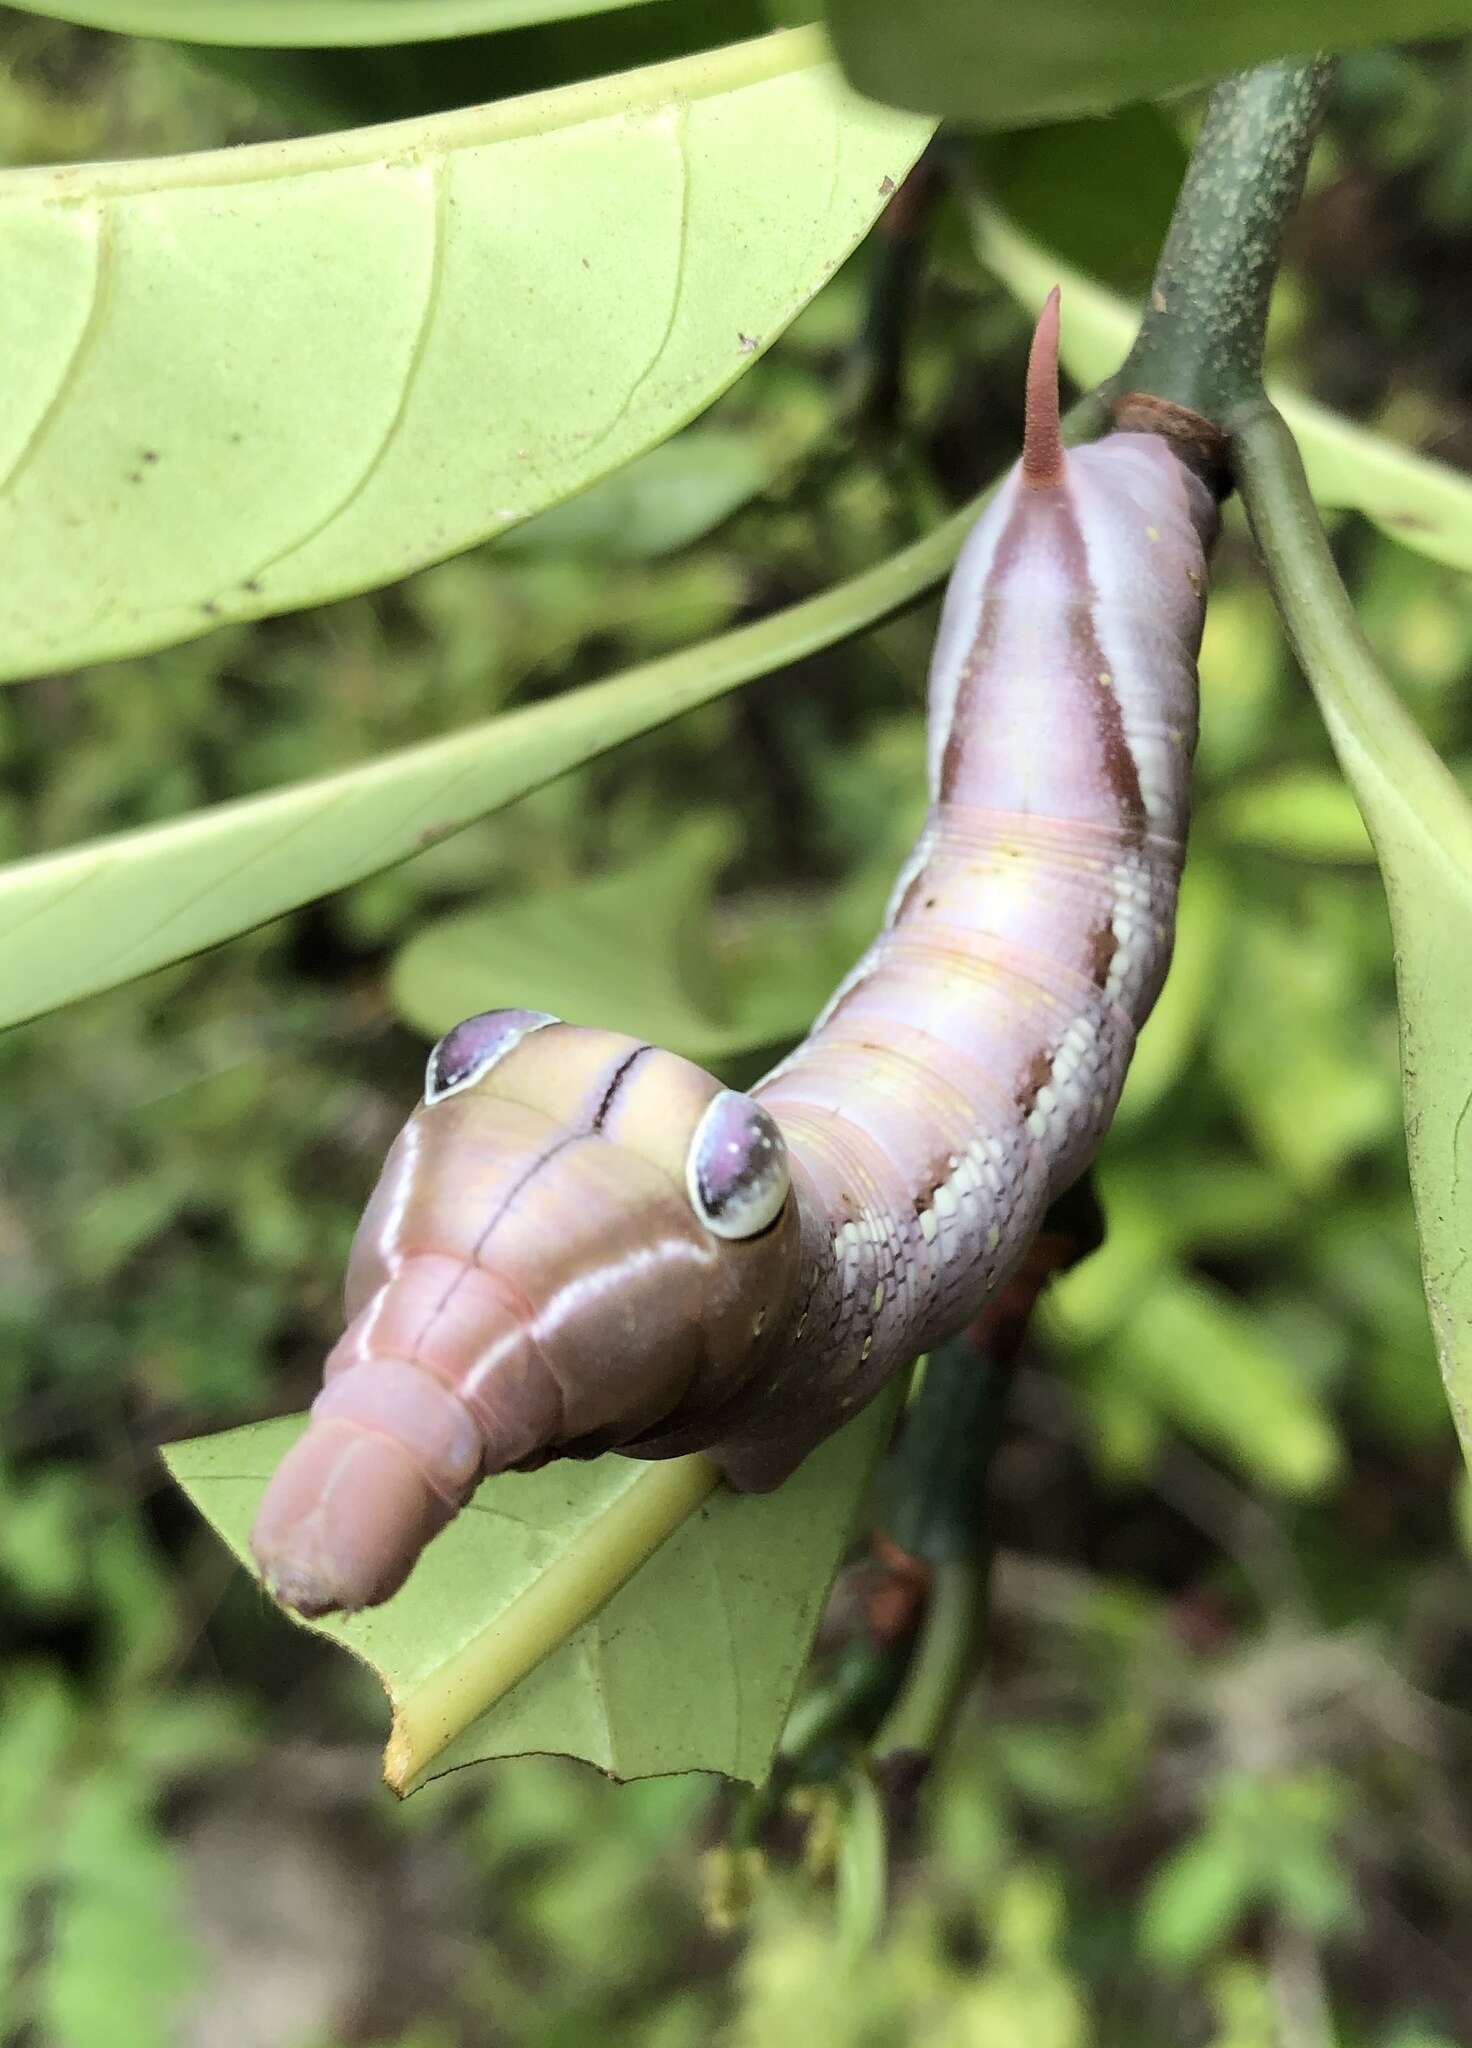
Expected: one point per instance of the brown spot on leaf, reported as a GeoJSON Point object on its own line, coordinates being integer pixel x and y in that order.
{"type": "Point", "coordinates": [432, 834]}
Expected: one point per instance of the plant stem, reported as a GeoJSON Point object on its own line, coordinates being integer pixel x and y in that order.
{"type": "Point", "coordinates": [1200, 344]}
{"type": "Point", "coordinates": [934, 1501]}
{"type": "Point", "coordinates": [921, 1716]}
{"type": "Point", "coordinates": [1365, 717]}
{"type": "Point", "coordinates": [933, 1485]}
{"type": "Point", "coordinates": [862, 1875]}
{"type": "Point", "coordinates": [932, 1506]}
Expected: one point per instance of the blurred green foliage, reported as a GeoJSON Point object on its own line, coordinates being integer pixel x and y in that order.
{"type": "Point", "coordinates": [1214, 1777]}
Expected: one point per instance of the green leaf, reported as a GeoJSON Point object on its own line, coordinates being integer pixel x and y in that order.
{"type": "Point", "coordinates": [83, 1861]}
{"type": "Point", "coordinates": [629, 951]}
{"type": "Point", "coordinates": [1196, 1898]}
{"type": "Point", "coordinates": [41, 1548]}
{"type": "Point", "coordinates": [251, 380]}
{"type": "Point", "coordinates": [1420, 503]}
{"type": "Point", "coordinates": [1090, 1300]}
{"type": "Point", "coordinates": [36, 1728]}
{"type": "Point", "coordinates": [1302, 813]}
{"type": "Point", "coordinates": [1099, 192]}
{"type": "Point", "coordinates": [1002, 67]}
{"type": "Point", "coordinates": [1219, 1374]}
{"type": "Point", "coordinates": [1421, 826]}
{"type": "Point", "coordinates": [312, 24]}
{"type": "Point", "coordinates": [711, 1603]}
{"type": "Point", "coordinates": [1156, 1207]}
{"type": "Point", "coordinates": [660, 502]}
{"type": "Point", "coordinates": [86, 919]}
{"type": "Point", "coordinates": [1292, 1048]}
{"type": "Point", "coordinates": [1243, 667]}
{"type": "Point", "coordinates": [1243, 2002]}
{"type": "Point", "coordinates": [120, 1954]}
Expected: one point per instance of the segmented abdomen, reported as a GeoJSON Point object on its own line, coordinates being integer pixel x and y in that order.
{"type": "Point", "coordinates": [580, 1242]}
{"type": "Point", "coordinates": [965, 1071]}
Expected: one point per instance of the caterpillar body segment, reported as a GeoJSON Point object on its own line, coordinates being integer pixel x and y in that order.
{"type": "Point", "coordinates": [582, 1243]}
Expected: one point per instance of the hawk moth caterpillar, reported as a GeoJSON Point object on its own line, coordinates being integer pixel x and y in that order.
{"type": "Point", "coordinates": [581, 1243]}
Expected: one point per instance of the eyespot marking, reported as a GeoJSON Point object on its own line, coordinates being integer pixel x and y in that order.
{"type": "Point", "coordinates": [473, 1047]}
{"type": "Point", "coordinates": [736, 1172]}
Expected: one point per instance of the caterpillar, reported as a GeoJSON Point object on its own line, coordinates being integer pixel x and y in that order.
{"type": "Point", "coordinates": [581, 1243]}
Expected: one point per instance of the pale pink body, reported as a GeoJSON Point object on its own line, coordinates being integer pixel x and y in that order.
{"type": "Point", "coordinates": [531, 1278]}
{"type": "Point", "coordinates": [965, 1071]}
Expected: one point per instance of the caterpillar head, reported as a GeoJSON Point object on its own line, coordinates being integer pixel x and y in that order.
{"type": "Point", "coordinates": [577, 1241]}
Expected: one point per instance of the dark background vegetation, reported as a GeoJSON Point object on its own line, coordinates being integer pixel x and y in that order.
{"type": "Point", "coordinates": [1211, 1787]}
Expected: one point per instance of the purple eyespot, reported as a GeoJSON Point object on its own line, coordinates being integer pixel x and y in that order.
{"type": "Point", "coordinates": [736, 1172]}
{"type": "Point", "coordinates": [471, 1049]}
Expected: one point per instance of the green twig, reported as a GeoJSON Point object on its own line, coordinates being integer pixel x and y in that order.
{"type": "Point", "coordinates": [934, 1481]}
{"type": "Point", "coordinates": [1200, 343]}
{"type": "Point", "coordinates": [1365, 717]}
{"type": "Point", "coordinates": [932, 1506]}
{"type": "Point", "coordinates": [934, 1499]}
{"type": "Point", "coordinates": [941, 1666]}
{"type": "Point", "coordinates": [861, 1878]}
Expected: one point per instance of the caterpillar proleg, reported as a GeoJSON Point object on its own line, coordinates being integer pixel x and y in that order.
{"type": "Point", "coordinates": [582, 1243]}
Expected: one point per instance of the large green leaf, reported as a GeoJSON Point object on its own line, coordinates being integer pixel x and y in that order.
{"type": "Point", "coordinates": [658, 503]}
{"type": "Point", "coordinates": [75, 922]}
{"type": "Point", "coordinates": [1213, 1367]}
{"type": "Point", "coordinates": [711, 1603]}
{"type": "Point", "coordinates": [1301, 813]}
{"type": "Point", "coordinates": [1421, 826]}
{"type": "Point", "coordinates": [254, 379]}
{"type": "Point", "coordinates": [629, 950]}
{"type": "Point", "coordinates": [1292, 1049]}
{"type": "Point", "coordinates": [312, 24]}
{"type": "Point", "coordinates": [1002, 66]}
{"type": "Point", "coordinates": [1421, 503]}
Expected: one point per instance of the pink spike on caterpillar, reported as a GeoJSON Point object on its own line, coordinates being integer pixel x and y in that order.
{"type": "Point", "coordinates": [580, 1243]}
{"type": "Point", "coordinates": [1042, 436]}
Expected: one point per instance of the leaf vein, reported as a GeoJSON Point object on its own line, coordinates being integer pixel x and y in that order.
{"type": "Point", "coordinates": [86, 339]}
{"type": "Point", "coordinates": [439, 197]}
{"type": "Point", "coordinates": [677, 292]}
